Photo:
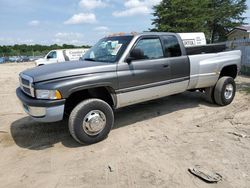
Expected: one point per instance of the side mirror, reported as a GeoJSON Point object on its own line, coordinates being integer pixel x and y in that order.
{"type": "Point", "coordinates": [129, 59]}
{"type": "Point", "coordinates": [135, 54]}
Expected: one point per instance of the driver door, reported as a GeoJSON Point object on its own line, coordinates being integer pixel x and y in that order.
{"type": "Point", "coordinates": [137, 78]}
{"type": "Point", "coordinates": [151, 69]}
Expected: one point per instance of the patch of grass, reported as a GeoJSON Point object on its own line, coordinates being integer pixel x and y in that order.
{"type": "Point", "coordinates": [245, 90]}
{"type": "Point", "coordinates": [243, 85]}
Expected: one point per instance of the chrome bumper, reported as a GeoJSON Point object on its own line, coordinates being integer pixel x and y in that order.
{"type": "Point", "coordinates": [45, 114]}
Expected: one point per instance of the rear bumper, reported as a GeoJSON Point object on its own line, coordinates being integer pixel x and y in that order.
{"type": "Point", "coordinates": [42, 110]}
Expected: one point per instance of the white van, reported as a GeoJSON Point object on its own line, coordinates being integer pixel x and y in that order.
{"type": "Point", "coordinates": [193, 39]}
{"type": "Point", "coordinates": [62, 55]}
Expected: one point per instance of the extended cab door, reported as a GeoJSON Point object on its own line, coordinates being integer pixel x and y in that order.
{"type": "Point", "coordinates": [176, 57]}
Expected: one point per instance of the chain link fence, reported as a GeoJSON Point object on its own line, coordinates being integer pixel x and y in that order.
{"type": "Point", "coordinates": [244, 46]}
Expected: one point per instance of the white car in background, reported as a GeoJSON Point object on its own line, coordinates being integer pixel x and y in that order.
{"type": "Point", "coordinates": [62, 55]}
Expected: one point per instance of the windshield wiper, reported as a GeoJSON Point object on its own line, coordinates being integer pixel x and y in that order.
{"type": "Point", "coordinates": [89, 59]}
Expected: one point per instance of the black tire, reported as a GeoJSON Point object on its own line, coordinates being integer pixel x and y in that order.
{"type": "Point", "coordinates": [221, 88]}
{"type": "Point", "coordinates": [80, 112]}
{"type": "Point", "coordinates": [209, 92]}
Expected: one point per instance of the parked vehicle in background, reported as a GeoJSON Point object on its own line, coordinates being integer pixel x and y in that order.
{"type": "Point", "coordinates": [22, 59]}
{"type": "Point", "coordinates": [13, 59]}
{"type": "Point", "coordinates": [34, 58]}
{"type": "Point", "coordinates": [25, 59]}
{"type": "Point", "coordinates": [62, 55]}
{"type": "Point", "coordinates": [6, 59]}
{"type": "Point", "coordinates": [124, 70]}
{"type": "Point", "coordinates": [193, 39]}
{"type": "Point", "coordinates": [2, 60]}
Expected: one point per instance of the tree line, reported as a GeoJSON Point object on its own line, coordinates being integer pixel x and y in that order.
{"type": "Point", "coordinates": [213, 17]}
{"type": "Point", "coordinates": [33, 50]}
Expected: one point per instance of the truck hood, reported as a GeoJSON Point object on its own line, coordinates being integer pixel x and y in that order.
{"type": "Point", "coordinates": [67, 69]}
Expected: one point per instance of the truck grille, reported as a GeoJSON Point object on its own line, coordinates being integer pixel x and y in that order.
{"type": "Point", "coordinates": [26, 83]}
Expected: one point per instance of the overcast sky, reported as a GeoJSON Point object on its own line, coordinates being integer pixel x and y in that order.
{"type": "Point", "coordinates": [72, 21]}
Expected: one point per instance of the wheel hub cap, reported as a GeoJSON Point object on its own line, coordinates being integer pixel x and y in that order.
{"type": "Point", "coordinates": [229, 91]}
{"type": "Point", "coordinates": [94, 122]}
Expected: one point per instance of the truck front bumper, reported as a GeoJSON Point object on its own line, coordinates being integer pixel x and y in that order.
{"type": "Point", "coordinates": [42, 110]}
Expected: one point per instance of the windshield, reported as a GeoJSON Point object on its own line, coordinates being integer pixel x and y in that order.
{"type": "Point", "coordinates": [108, 49]}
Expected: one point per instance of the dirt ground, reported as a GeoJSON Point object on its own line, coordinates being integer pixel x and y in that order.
{"type": "Point", "coordinates": [152, 144]}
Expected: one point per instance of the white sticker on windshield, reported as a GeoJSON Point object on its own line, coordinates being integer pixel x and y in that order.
{"type": "Point", "coordinates": [116, 49]}
{"type": "Point", "coordinates": [92, 55]}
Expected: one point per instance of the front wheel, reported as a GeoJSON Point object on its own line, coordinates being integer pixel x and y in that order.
{"type": "Point", "coordinates": [224, 91]}
{"type": "Point", "coordinates": [91, 121]}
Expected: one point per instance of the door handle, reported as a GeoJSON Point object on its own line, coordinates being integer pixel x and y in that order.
{"type": "Point", "coordinates": [165, 65]}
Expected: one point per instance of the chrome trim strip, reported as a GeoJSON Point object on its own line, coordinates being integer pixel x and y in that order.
{"type": "Point", "coordinates": [205, 74]}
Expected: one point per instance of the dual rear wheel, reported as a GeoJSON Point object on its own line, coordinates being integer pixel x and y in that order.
{"type": "Point", "coordinates": [223, 92]}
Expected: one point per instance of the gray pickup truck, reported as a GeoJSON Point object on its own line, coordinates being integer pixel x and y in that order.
{"type": "Point", "coordinates": [123, 70]}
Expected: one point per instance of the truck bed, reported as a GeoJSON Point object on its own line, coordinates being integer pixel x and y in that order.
{"type": "Point", "coordinates": [205, 68]}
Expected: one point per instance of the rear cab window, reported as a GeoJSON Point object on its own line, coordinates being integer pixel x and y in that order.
{"type": "Point", "coordinates": [171, 46]}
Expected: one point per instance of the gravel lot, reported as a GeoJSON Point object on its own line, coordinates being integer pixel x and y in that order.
{"type": "Point", "coordinates": [151, 145]}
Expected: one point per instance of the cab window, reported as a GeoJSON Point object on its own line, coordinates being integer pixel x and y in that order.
{"type": "Point", "coordinates": [171, 46]}
{"type": "Point", "coordinates": [151, 48]}
{"type": "Point", "coordinates": [52, 55]}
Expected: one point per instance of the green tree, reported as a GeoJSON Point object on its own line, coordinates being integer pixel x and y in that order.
{"type": "Point", "coordinates": [224, 16]}
{"type": "Point", "coordinates": [213, 17]}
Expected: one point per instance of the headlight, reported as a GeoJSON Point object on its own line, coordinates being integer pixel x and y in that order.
{"type": "Point", "coordinates": [48, 94]}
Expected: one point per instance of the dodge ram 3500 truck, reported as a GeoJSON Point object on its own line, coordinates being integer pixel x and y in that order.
{"type": "Point", "coordinates": [123, 70]}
